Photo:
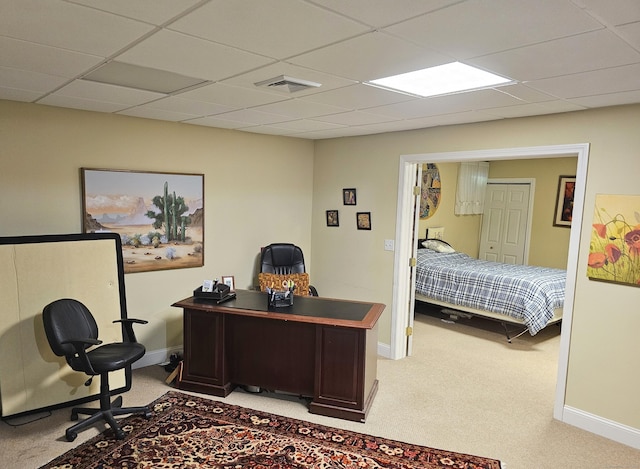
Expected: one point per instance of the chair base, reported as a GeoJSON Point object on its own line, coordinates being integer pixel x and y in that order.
{"type": "Point", "coordinates": [106, 413]}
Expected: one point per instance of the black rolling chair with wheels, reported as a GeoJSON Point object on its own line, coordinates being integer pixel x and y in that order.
{"type": "Point", "coordinates": [71, 330]}
{"type": "Point", "coordinates": [283, 259]}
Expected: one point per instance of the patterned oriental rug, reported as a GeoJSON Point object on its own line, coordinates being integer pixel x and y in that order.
{"type": "Point", "coordinates": [193, 432]}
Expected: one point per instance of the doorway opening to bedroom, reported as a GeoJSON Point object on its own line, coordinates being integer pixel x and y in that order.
{"type": "Point", "coordinates": [403, 295]}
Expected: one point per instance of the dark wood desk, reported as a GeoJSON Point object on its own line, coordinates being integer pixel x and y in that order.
{"type": "Point", "coordinates": [318, 347]}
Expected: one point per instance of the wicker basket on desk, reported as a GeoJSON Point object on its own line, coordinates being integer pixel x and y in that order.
{"type": "Point", "coordinates": [279, 282]}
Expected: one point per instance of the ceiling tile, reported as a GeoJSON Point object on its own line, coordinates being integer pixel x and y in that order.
{"type": "Point", "coordinates": [151, 11]}
{"type": "Point", "coordinates": [623, 11]}
{"type": "Point", "coordinates": [152, 113]}
{"type": "Point", "coordinates": [300, 109]}
{"type": "Point", "coordinates": [232, 96]}
{"type": "Point", "coordinates": [567, 55]}
{"type": "Point", "coordinates": [107, 93]}
{"type": "Point", "coordinates": [68, 26]}
{"type": "Point", "coordinates": [189, 106]}
{"type": "Point", "coordinates": [533, 109]}
{"type": "Point", "coordinates": [305, 125]}
{"type": "Point", "coordinates": [525, 93]}
{"type": "Point", "coordinates": [27, 80]}
{"type": "Point", "coordinates": [380, 13]}
{"type": "Point", "coordinates": [251, 116]}
{"type": "Point", "coordinates": [175, 52]}
{"type": "Point", "coordinates": [277, 28]}
{"type": "Point", "coordinates": [81, 103]}
{"type": "Point", "coordinates": [24, 55]}
{"type": "Point", "coordinates": [358, 97]}
{"type": "Point", "coordinates": [631, 34]}
{"type": "Point", "coordinates": [14, 94]}
{"type": "Point", "coordinates": [589, 51]}
{"type": "Point", "coordinates": [598, 82]}
{"type": "Point", "coordinates": [478, 27]}
{"type": "Point", "coordinates": [460, 102]}
{"type": "Point", "coordinates": [217, 122]}
{"type": "Point", "coordinates": [611, 99]}
{"type": "Point", "coordinates": [354, 118]}
{"type": "Point", "coordinates": [370, 56]}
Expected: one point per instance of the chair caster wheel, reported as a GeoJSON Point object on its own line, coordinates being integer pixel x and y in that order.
{"type": "Point", "coordinates": [74, 416]}
{"type": "Point", "coordinates": [148, 415]}
{"type": "Point", "coordinates": [71, 435]}
{"type": "Point", "coordinates": [120, 435]}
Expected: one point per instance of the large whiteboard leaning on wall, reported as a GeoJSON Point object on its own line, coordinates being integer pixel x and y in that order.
{"type": "Point", "coordinates": [34, 271]}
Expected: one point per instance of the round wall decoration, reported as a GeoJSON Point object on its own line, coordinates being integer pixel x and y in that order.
{"type": "Point", "coordinates": [430, 190]}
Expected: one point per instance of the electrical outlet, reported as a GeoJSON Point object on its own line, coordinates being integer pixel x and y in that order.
{"type": "Point", "coordinates": [388, 245]}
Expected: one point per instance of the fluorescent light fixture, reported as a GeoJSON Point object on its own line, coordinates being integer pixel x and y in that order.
{"type": "Point", "coordinates": [141, 78]}
{"type": "Point", "coordinates": [443, 79]}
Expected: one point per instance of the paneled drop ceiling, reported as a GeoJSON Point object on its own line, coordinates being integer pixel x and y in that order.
{"type": "Point", "coordinates": [564, 55]}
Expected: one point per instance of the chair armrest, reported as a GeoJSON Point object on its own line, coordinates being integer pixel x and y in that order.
{"type": "Point", "coordinates": [80, 348]}
{"type": "Point", "coordinates": [128, 323]}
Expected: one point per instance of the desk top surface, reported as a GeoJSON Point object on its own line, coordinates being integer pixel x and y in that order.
{"type": "Point", "coordinates": [304, 309]}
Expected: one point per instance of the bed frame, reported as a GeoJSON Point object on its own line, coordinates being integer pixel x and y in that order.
{"type": "Point", "coordinates": [457, 311]}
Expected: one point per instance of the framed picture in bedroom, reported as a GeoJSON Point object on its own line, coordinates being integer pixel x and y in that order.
{"type": "Point", "coordinates": [159, 216]}
{"type": "Point", "coordinates": [564, 201]}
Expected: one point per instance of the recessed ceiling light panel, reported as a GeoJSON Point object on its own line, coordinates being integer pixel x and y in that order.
{"type": "Point", "coordinates": [443, 79]}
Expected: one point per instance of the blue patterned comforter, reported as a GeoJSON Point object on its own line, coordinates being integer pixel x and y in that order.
{"type": "Point", "coordinates": [528, 293]}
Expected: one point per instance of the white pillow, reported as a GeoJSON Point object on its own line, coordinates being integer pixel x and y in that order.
{"type": "Point", "coordinates": [437, 245]}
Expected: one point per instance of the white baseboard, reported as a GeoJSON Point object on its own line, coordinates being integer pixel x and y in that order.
{"type": "Point", "coordinates": [600, 426]}
{"type": "Point", "coordinates": [384, 350]}
{"type": "Point", "coordinates": [155, 357]}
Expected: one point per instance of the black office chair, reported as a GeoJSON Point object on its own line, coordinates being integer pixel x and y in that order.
{"type": "Point", "coordinates": [284, 259]}
{"type": "Point", "coordinates": [71, 330]}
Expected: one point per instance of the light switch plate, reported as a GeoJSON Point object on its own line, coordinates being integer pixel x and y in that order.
{"type": "Point", "coordinates": [388, 245]}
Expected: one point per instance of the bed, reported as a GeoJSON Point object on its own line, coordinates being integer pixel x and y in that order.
{"type": "Point", "coordinates": [527, 296]}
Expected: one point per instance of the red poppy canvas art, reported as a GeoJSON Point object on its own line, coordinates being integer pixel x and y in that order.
{"type": "Point", "coordinates": [614, 251]}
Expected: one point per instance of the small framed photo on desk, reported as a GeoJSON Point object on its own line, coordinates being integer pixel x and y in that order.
{"type": "Point", "coordinates": [229, 281]}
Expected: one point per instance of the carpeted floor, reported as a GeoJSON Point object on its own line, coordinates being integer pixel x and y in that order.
{"type": "Point", "coordinates": [187, 431]}
{"type": "Point", "coordinates": [464, 389]}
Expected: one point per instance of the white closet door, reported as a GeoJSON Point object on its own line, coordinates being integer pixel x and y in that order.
{"type": "Point", "coordinates": [505, 223]}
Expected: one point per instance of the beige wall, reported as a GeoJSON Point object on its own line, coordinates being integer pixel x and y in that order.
{"type": "Point", "coordinates": [462, 232]}
{"type": "Point", "coordinates": [606, 319]}
{"type": "Point", "coordinates": [258, 190]}
{"type": "Point", "coordinates": [549, 244]}
{"type": "Point", "coordinates": [42, 149]}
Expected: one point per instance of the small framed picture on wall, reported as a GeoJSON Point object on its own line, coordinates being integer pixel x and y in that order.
{"type": "Point", "coordinates": [332, 218]}
{"type": "Point", "coordinates": [349, 196]}
{"type": "Point", "coordinates": [363, 220]}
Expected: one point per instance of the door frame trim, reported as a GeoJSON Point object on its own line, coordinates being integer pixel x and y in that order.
{"type": "Point", "coordinates": [401, 284]}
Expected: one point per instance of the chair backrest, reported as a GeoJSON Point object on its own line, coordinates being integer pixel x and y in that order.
{"type": "Point", "coordinates": [67, 319]}
{"type": "Point", "coordinates": [282, 259]}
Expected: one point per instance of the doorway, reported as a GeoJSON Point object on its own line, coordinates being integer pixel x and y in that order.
{"type": "Point", "coordinates": [401, 317]}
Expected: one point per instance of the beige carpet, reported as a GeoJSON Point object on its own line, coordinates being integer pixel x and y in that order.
{"type": "Point", "coordinates": [465, 389]}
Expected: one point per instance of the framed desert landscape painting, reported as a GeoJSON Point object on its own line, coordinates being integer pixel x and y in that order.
{"type": "Point", "coordinates": [159, 216]}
